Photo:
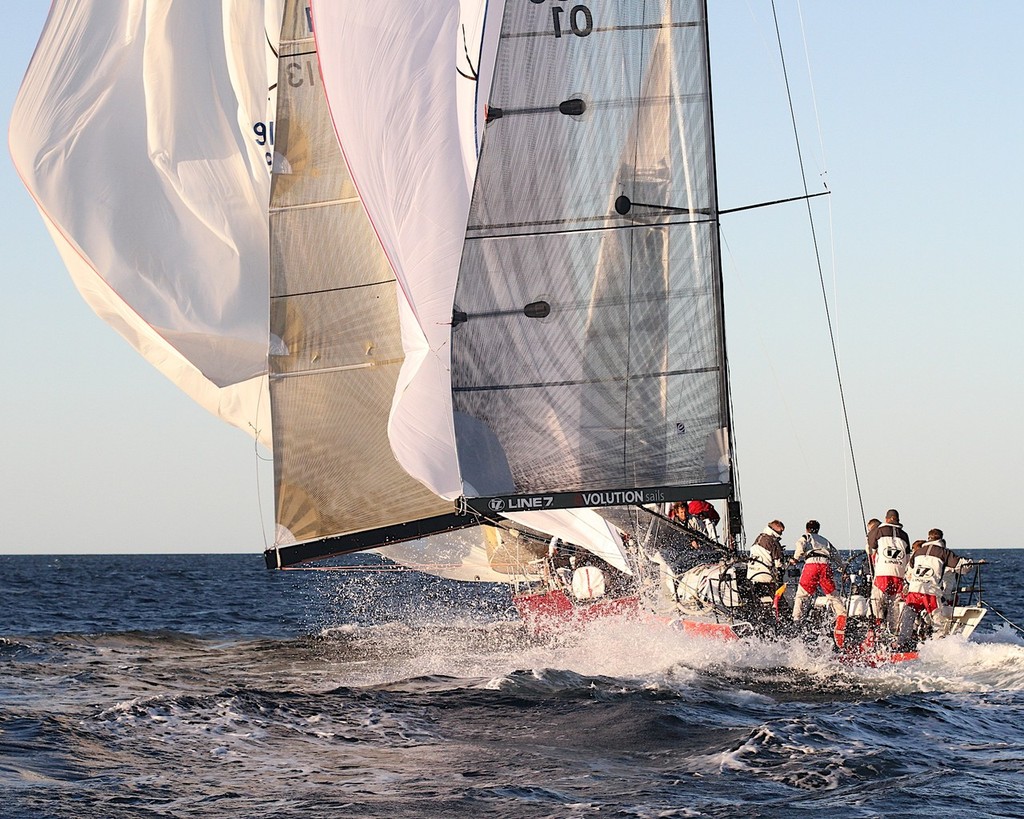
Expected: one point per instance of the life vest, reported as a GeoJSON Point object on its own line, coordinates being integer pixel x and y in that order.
{"type": "Point", "coordinates": [813, 547]}
{"type": "Point", "coordinates": [763, 564]}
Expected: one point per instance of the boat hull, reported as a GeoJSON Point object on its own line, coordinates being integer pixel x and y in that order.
{"type": "Point", "coordinates": [554, 610]}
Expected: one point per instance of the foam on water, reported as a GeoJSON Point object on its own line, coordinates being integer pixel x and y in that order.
{"type": "Point", "coordinates": [643, 656]}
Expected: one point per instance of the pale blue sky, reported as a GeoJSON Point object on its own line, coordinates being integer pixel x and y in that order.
{"type": "Point", "coordinates": [920, 105]}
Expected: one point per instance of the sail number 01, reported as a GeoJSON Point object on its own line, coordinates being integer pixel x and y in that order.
{"type": "Point", "coordinates": [580, 19]}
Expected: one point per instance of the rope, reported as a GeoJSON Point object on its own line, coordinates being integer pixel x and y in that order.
{"type": "Point", "coordinates": [473, 72]}
{"type": "Point", "coordinates": [821, 274]}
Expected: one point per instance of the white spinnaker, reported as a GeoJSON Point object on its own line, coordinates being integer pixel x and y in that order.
{"type": "Point", "coordinates": [582, 527]}
{"type": "Point", "coordinates": [134, 132]}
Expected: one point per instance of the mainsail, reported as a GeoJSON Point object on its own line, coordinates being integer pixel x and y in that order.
{"type": "Point", "coordinates": [587, 353]}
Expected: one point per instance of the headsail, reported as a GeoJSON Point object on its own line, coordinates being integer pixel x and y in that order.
{"type": "Point", "coordinates": [337, 346]}
{"type": "Point", "coordinates": [176, 261]}
{"type": "Point", "coordinates": [588, 360]}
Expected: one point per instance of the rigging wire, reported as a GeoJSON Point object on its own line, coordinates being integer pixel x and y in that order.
{"type": "Point", "coordinates": [821, 274]}
{"type": "Point", "coordinates": [823, 174]}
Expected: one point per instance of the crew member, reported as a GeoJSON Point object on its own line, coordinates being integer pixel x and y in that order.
{"type": "Point", "coordinates": [764, 566]}
{"type": "Point", "coordinates": [677, 511]}
{"type": "Point", "coordinates": [703, 517]}
{"type": "Point", "coordinates": [925, 572]}
{"type": "Point", "coordinates": [817, 553]}
{"type": "Point", "coordinates": [890, 545]}
{"type": "Point", "coordinates": [559, 565]}
{"type": "Point", "coordinates": [873, 524]}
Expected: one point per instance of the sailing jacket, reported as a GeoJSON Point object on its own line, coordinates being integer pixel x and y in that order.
{"type": "Point", "coordinates": [927, 566]}
{"type": "Point", "coordinates": [892, 547]}
{"type": "Point", "coordinates": [814, 548]}
{"type": "Point", "coordinates": [765, 563]}
{"type": "Point", "coordinates": [703, 509]}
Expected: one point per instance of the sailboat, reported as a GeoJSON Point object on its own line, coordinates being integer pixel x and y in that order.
{"type": "Point", "coordinates": [468, 281]}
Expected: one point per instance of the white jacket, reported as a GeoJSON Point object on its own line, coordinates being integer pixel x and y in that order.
{"type": "Point", "coordinates": [813, 548]}
{"type": "Point", "coordinates": [928, 566]}
{"type": "Point", "coordinates": [761, 566]}
{"type": "Point", "coordinates": [893, 550]}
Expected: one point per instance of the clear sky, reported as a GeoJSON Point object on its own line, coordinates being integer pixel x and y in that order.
{"type": "Point", "coordinates": [921, 129]}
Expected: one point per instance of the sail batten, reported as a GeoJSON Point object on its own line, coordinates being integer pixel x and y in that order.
{"type": "Point", "coordinates": [548, 384]}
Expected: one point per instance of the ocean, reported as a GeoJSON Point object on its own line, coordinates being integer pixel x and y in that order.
{"type": "Point", "coordinates": [195, 686]}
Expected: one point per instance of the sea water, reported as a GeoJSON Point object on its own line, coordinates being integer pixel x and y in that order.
{"type": "Point", "coordinates": [194, 686]}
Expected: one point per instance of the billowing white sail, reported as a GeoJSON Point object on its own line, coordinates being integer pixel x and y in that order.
{"type": "Point", "coordinates": [141, 131]}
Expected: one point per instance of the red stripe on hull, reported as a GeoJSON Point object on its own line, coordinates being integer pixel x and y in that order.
{"type": "Point", "coordinates": [554, 610]}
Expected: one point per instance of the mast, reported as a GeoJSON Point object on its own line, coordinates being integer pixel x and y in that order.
{"type": "Point", "coordinates": [734, 513]}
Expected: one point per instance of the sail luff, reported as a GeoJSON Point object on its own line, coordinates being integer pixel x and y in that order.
{"type": "Point", "coordinates": [726, 447]}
